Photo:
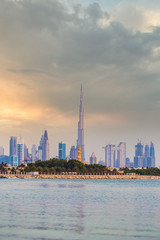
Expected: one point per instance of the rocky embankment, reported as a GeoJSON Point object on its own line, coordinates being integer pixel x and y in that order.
{"type": "Point", "coordinates": [47, 176]}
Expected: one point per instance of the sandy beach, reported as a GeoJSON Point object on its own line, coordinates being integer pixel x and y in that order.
{"type": "Point", "coordinates": [48, 176]}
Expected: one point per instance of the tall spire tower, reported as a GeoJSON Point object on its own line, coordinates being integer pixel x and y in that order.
{"type": "Point", "coordinates": [80, 140]}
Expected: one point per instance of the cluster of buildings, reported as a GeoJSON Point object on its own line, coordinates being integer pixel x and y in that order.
{"type": "Point", "coordinates": [144, 157]}
{"type": "Point", "coordinates": [115, 156]}
{"type": "Point", "coordinates": [19, 153]}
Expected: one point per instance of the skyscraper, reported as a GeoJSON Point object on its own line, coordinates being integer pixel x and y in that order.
{"type": "Point", "coordinates": [40, 153]}
{"type": "Point", "coordinates": [80, 140]}
{"type": "Point", "coordinates": [13, 146]}
{"type": "Point", "coordinates": [73, 153]}
{"type": "Point", "coordinates": [121, 155]}
{"type": "Point", "coordinates": [13, 151]}
{"type": "Point", "coordinates": [20, 149]}
{"type": "Point", "coordinates": [146, 159]}
{"type": "Point", "coordinates": [93, 159]}
{"type": "Point", "coordinates": [139, 159]}
{"type": "Point", "coordinates": [62, 151]}
{"type": "Point", "coordinates": [34, 153]}
{"type": "Point", "coordinates": [139, 149]}
{"type": "Point", "coordinates": [127, 162]}
{"type": "Point", "coordinates": [26, 154]}
{"type": "Point", "coordinates": [43, 149]}
{"type": "Point", "coordinates": [146, 151]}
{"type": "Point", "coordinates": [147, 156]}
{"type": "Point", "coordinates": [152, 154]}
{"type": "Point", "coordinates": [110, 155]}
{"type": "Point", "coordinates": [115, 156]}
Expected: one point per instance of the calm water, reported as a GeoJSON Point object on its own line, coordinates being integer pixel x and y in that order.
{"type": "Point", "coordinates": [79, 209]}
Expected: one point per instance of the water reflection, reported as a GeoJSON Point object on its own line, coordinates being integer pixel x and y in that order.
{"type": "Point", "coordinates": [66, 209]}
{"type": "Point", "coordinates": [71, 185]}
{"type": "Point", "coordinates": [80, 226]}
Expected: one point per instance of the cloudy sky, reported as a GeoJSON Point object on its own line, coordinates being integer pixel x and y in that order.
{"type": "Point", "coordinates": [49, 48]}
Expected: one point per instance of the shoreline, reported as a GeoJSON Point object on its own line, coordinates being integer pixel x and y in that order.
{"type": "Point", "coordinates": [47, 176]}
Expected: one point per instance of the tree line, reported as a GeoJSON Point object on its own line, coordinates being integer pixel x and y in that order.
{"type": "Point", "coordinates": [144, 171]}
{"type": "Point", "coordinates": [59, 165]}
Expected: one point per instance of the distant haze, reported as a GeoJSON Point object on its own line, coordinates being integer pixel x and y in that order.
{"type": "Point", "coordinates": [49, 48]}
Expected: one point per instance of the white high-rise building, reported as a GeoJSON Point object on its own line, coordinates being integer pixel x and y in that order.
{"type": "Point", "coordinates": [20, 149]}
{"type": "Point", "coordinates": [115, 156]}
{"type": "Point", "coordinates": [121, 155]}
{"type": "Point", "coordinates": [110, 155]}
{"type": "Point", "coordinates": [34, 152]}
{"type": "Point", "coordinates": [13, 146]}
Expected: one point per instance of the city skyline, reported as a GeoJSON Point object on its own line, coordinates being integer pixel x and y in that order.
{"type": "Point", "coordinates": [120, 155]}
{"type": "Point", "coordinates": [111, 47]}
{"type": "Point", "coordinates": [115, 156]}
{"type": "Point", "coordinates": [79, 119]}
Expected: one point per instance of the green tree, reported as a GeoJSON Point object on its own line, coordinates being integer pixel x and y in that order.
{"type": "Point", "coordinates": [40, 169]}
{"type": "Point", "coordinates": [45, 170]}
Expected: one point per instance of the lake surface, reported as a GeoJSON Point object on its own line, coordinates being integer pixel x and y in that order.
{"type": "Point", "coordinates": [79, 209]}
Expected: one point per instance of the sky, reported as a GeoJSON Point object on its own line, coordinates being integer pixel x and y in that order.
{"type": "Point", "coordinates": [49, 48]}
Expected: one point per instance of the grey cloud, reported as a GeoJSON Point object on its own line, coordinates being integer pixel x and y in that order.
{"type": "Point", "coordinates": [27, 71]}
{"type": "Point", "coordinates": [95, 12]}
{"type": "Point", "coordinates": [112, 62]}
